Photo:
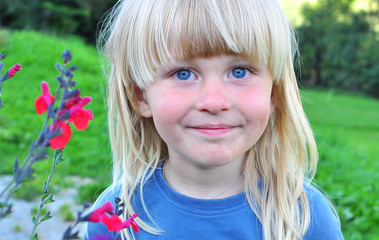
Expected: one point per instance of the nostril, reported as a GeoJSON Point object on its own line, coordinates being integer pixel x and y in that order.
{"type": "Point", "coordinates": [213, 103]}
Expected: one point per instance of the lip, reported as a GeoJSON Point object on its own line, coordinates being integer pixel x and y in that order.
{"type": "Point", "coordinates": [213, 129]}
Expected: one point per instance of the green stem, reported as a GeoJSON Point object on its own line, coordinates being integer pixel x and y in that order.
{"type": "Point", "coordinates": [36, 222]}
{"type": "Point", "coordinates": [57, 157]}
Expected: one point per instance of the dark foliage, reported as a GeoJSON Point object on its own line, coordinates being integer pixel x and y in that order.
{"type": "Point", "coordinates": [339, 47]}
{"type": "Point", "coordinates": [62, 17]}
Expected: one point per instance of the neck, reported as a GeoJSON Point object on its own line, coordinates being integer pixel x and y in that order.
{"type": "Point", "coordinates": [205, 182]}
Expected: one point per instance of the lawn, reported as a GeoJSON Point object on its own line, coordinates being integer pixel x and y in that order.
{"type": "Point", "coordinates": [347, 132]}
{"type": "Point", "coordinates": [346, 128]}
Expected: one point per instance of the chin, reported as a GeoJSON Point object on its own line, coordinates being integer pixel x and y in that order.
{"type": "Point", "coordinates": [215, 162]}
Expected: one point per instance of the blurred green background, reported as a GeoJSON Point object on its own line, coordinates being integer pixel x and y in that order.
{"type": "Point", "coordinates": [339, 81]}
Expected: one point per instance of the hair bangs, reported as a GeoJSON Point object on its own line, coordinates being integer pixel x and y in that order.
{"type": "Point", "coordinates": [188, 29]}
{"type": "Point", "coordinates": [168, 31]}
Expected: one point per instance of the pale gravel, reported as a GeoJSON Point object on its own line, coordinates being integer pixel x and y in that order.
{"type": "Point", "coordinates": [51, 229]}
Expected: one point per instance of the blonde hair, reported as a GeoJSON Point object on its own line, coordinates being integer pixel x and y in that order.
{"type": "Point", "coordinates": [142, 35]}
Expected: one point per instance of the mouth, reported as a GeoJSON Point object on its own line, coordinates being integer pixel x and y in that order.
{"type": "Point", "coordinates": [213, 129]}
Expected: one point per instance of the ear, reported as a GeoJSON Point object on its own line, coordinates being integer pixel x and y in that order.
{"type": "Point", "coordinates": [142, 103]}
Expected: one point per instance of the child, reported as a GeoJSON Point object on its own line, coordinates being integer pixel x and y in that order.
{"type": "Point", "coordinates": [209, 137]}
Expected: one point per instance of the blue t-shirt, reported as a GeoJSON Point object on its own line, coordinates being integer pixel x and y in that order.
{"type": "Point", "coordinates": [182, 217]}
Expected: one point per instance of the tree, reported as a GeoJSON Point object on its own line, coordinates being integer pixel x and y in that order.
{"type": "Point", "coordinates": [60, 17]}
{"type": "Point", "coordinates": [339, 47]}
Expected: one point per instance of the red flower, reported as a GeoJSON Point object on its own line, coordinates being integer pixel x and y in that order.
{"type": "Point", "coordinates": [130, 221]}
{"type": "Point", "coordinates": [113, 223]}
{"type": "Point", "coordinates": [14, 69]}
{"type": "Point", "coordinates": [98, 213]}
{"type": "Point", "coordinates": [79, 116]}
{"type": "Point", "coordinates": [43, 101]}
{"type": "Point", "coordinates": [61, 140]}
{"type": "Point", "coordinates": [73, 101]}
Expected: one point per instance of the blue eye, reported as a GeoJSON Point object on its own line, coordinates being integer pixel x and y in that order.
{"type": "Point", "coordinates": [184, 74]}
{"type": "Point", "coordinates": [239, 72]}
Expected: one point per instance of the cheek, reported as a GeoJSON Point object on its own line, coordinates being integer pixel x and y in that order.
{"type": "Point", "coordinates": [167, 108]}
{"type": "Point", "coordinates": [256, 106]}
{"type": "Point", "coordinates": [165, 103]}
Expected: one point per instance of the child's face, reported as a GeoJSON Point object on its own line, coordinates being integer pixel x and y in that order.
{"type": "Point", "coordinates": [209, 111]}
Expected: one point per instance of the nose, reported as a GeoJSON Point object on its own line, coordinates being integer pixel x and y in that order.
{"type": "Point", "coordinates": [214, 97]}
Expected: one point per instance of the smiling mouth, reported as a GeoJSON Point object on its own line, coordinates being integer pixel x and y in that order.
{"type": "Point", "coordinates": [213, 130]}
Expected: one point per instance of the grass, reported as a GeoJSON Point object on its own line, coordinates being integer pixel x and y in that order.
{"type": "Point", "coordinates": [346, 128]}
{"type": "Point", "coordinates": [347, 132]}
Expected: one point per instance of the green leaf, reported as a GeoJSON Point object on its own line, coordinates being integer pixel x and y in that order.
{"type": "Point", "coordinates": [61, 159]}
{"type": "Point", "coordinates": [59, 155]}
{"type": "Point", "coordinates": [46, 217]}
{"type": "Point", "coordinates": [49, 199]}
{"type": "Point", "coordinates": [44, 195]}
{"type": "Point", "coordinates": [35, 237]}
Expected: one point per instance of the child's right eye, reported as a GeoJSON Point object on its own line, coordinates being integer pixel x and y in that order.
{"type": "Point", "coordinates": [184, 75]}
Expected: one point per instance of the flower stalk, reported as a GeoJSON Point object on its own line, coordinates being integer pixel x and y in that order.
{"type": "Point", "coordinates": [46, 197]}
{"type": "Point", "coordinates": [55, 133]}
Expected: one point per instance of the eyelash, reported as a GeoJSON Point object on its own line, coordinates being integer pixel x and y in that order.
{"type": "Point", "coordinates": [247, 68]}
{"type": "Point", "coordinates": [174, 72]}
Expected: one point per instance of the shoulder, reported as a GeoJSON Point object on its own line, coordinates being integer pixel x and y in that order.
{"type": "Point", "coordinates": [324, 222]}
{"type": "Point", "coordinates": [95, 230]}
